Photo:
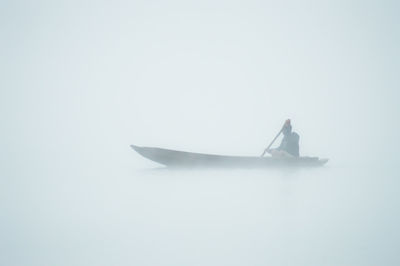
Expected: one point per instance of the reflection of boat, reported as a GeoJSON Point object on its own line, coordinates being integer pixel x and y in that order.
{"type": "Point", "coordinates": [188, 159]}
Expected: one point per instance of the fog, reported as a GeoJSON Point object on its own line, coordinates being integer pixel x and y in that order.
{"type": "Point", "coordinates": [82, 80]}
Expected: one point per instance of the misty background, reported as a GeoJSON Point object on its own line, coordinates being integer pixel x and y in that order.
{"type": "Point", "coordinates": [82, 80]}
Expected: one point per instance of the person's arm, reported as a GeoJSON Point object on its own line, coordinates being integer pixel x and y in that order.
{"type": "Point", "coordinates": [269, 150]}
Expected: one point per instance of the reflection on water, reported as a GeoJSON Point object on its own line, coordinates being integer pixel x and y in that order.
{"type": "Point", "coordinates": [319, 216]}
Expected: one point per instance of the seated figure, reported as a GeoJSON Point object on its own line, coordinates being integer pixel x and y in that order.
{"type": "Point", "coordinates": [290, 143]}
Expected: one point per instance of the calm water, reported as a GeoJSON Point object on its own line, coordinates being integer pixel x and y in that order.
{"type": "Point", "coordinates": [335, 215]}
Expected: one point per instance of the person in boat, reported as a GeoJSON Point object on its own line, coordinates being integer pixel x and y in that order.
{"type": "Point", "coordinates": [290, 143]}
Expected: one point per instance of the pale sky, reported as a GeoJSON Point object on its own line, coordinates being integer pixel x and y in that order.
{"type": "Point", "coordinates": [212, 76]}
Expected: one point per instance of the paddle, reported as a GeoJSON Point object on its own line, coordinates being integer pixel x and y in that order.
{"type": "Point", "coordinates": [277, 135]}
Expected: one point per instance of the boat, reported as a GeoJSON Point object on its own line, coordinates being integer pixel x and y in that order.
{"type": "Point", "coordinates": [173, 158]}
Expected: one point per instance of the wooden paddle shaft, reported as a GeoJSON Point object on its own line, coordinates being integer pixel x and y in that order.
{"type": "Point", "coordinates": [269, 146]}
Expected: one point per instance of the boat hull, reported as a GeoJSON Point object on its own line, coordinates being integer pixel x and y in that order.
{"type": "Point", "coordinates": [172, 158]}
